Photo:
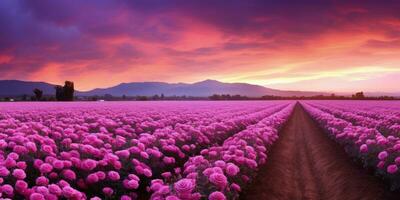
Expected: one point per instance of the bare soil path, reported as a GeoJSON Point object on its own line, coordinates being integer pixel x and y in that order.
{"type": "Point", "coordinates": [306, 164]}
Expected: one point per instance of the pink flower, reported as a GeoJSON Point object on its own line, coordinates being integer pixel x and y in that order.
{"type": "Point", "coordinates": [172, 197]}
{"type": "Point", "coordinates": [51, 197]}
{"type": "Point", "coordinates": [184, 186]}
{"type": "Point", "coordinates": [139, 169]}
{"type": "Point", "coordinates": [169, 160]}
{"type": "Point", "coordinates": [130, 184]}
{"type": "Point", "coordinates": [123, 153]}
{"type": "Point", "coordinates": [126, 197]}
{"type": "Point", "coordinates": [47, 148]}
{"type": "Point", "coordinates": [9, 163]}
{"type": "Point", "coordinates": [382, 155]}
{"type": "Point", "coordinates": [108, 191]}
{"type": "Point", "coordinates": [363, 148]}
{"type": "Point", "coordinates": [88, 164]}
{"type": "Point", "coordinates": [68, 191]}
{"type": "Point", "coordinates": [13, 156]}
{"type": "Point", "coordinates": [45, 168]}
{"type": "Point", "coordinates": [19, 174]}
{"type": "Point", "coordinates": [21, 165]}
{"type": "Point", "coordinates": [218, 170]}
{"type": "Point", "coordinates": [177, 170]}
{"type": "Point", "coordinates": [235, 187]}
{"type": "Point", "coordinates": [217, 196]}
{"type": "Point", "coordinates": [147, 172]}
{"type": "Point", "coordinates": [21, 185]}
{"type": "Point", "coordinates": [186, 147]}
{"type": "Point", "coordinates": [381, 164]}
{"type": "Point", "coordinates": [156, 185]}
{"type": "Point", "coordinates": [232, 169]}
{"type": "Point", "coordinates": [55, 189]}
{"type": "Point", "coordinates": [53, 175]}
{"type": "Point", "coordinates": [101, 175]}
{"type": "Point", "coordinates": [219, 180]}
{"type": "Point", "coordinates": [37, 163]}
{"type": "Point", "coordinates": [42, 190]}
{"type": "Point", "coordinates": [63, 183]}
{"type": "Point", "coordinates": [192, 175]}
{"type": "Point", "coordinates": [4, 171]}
{"type": "Point", "coordinates": [134, 177]}
{"type": "Point", "coordinates": [195, 196]}
{"type": "Point", "coordinates": [245, 178]}
{"type": "Point", "coordinates": [69, 174]}
{"type": "Point", "coordinates": [7, 189]}
{"type": "Point", "coordinates": [391, 169]}
{"type": "Point", "coordinates": [166, 175]}
{"type": "Point", "coordinates": [36, 196]}
{"type": "Point", "coordinates": [58, 164]}
{"type": "Point", "coordinates": [113, 175]}
{"type": "Point", "coordinates": [220, 163]}
{"type": "Point", "coordinates": [397, 160]}
{"type": "Point", "coordinates": [3, 144]}
{"type": "Point", "coordinates": [144, 155]}
{"type": "Point", "coordinates": [42, 180]}
{"type": "Point", "coordinates": [31, 146]}
{"type": "Point", "coordinates": [92, 178]}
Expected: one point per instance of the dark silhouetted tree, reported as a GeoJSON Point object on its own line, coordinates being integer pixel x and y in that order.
{"type": "Point", "coordinates": [358, 95]}
{"type": "Point", "coordinates": [38, 94]}
{"type": "Point", "coordinates": [69, 91]}
{"type": "Point", "coordinates": [65, 93]}
{"type": "Point", "coordinates": [141, 98]}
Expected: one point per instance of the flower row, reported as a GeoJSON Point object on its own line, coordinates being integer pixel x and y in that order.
{"type": "Point", "coordinates": [372, 148]}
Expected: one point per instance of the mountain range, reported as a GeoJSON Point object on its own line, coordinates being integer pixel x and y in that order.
{"type": "Point", "coordinates": [11, 88]}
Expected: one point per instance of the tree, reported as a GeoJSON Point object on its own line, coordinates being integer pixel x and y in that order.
{"type": "Point", "coordinates": [38, 94]}
{"type": "Point", "coordinates": [156, 97]}
{"type": "Point", "coordinates": [69, 91]}
{"type": "Point", "coordinates": [358, 95]}
{"type": "Point", "coordinates": [65, 93]}
{"type": "Point", "coordinates": [141, 98]}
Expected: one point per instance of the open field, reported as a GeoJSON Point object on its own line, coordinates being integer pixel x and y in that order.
{"type": "Point", "coordinates": [200, 150]}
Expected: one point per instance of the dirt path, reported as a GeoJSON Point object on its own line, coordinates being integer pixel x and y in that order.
{"type": "Point", "coordinates": [306, 164]}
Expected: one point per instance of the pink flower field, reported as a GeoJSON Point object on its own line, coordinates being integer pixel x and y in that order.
{"type": "Point", "coordinates": [121, 150]}
{"type": "Point", "coordinates": [174, 150]}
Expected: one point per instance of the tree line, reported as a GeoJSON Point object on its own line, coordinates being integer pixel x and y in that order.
{"type": "Point", "coordinates": [62, 93]}
{"type": "Point", "coordinates": [355, 96]}
{"type": "Point", "coordinates": [66, 93]}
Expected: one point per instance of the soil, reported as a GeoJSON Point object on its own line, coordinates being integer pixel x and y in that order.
{"type": "Point", "coordinates": [306, 164]}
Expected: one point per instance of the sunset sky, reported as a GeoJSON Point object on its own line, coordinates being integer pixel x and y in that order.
{"type": "Point", "coordinates": [319, 46]}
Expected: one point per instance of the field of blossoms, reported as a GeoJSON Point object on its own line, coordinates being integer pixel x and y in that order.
{"type": "Point", "coordinates": [369, 131]}
{"type": "Point", "coordinates": [130, 150]}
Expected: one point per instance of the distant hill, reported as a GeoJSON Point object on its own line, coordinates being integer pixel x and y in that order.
{"type": "Point", "coordinates": [12, 88]}
{"type": "Point", "coordinates": [199, 89]}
